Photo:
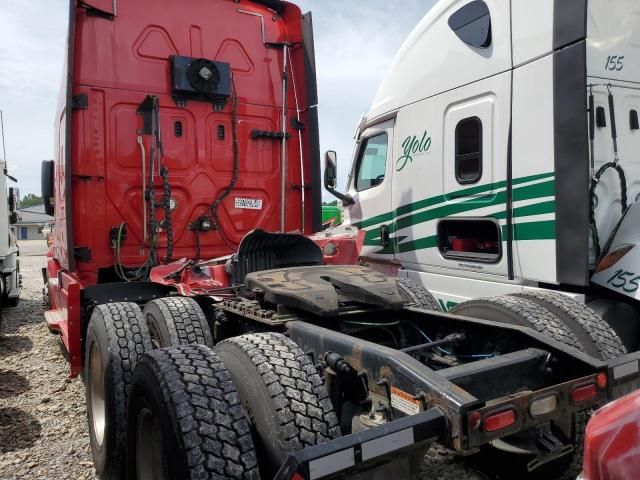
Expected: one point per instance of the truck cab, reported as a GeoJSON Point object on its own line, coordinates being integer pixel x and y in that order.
{"type": "Point", "coordinates": [10, 283]}
{"type": "Point", "coordinates": [498, 155]}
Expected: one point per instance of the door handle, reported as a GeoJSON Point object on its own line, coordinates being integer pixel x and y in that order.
{"type": "Point", "coordinates": [384, 235]}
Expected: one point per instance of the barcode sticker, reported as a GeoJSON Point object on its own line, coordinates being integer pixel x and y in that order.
{"type": "Point", "coordinates": [249, 203]}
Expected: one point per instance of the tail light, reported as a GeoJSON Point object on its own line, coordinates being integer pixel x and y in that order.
{"type": "Point", "coordinates": [543, 405]}
{"type": "Point", "coordinates": [601, 380]}
{"type": "Point", "coordinates": [500, 420]}
{"type": "Point", "coordinates": [297, 476]}
{"type": "Point", "coordinates": [583, 393]}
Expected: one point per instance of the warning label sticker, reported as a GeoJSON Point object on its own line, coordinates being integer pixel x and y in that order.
{"type": "Point", "coordinates": [404, 402]}
{"type": "Point", "coordinates": [249, 203]}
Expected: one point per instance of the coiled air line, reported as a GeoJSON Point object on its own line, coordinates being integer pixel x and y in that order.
{"type": "Point", "coordinates": [595, 178]}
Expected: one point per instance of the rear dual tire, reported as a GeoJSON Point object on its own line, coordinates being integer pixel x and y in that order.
{"type": "Point", "coordinates": [564, 320]}
{"type": "Point", "coordinates": [176, 321]}
{"type": "Point", "coordinates": [282, 393]}
{"type": "Point", "coordinates": [236, 413]}
{"type": "Point", "coordinates": [116, 338]}
{"type": "Point", "coordinates": [417, 295]}
{"type": "Point", "coordinates": [185, 419]}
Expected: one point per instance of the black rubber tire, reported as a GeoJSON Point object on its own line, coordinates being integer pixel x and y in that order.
{"type": "Point", "coordinates": [282, 393]}
{"type": "Point", "coordinates": [174, 321]}
{"type": "Point", "coordinates": [594, 334]}
{"type": "Point", "coordinates": [204, 429]}
{"type": "Point", "coordinates": [417, 295]}
{"type": "Point", "coordinates": [517, 310]}
{"type": "Point", "coordinates": [121, 336]}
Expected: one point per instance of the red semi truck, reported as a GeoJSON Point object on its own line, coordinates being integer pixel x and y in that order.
{"type": "Point", "coordinates": [211, 348]}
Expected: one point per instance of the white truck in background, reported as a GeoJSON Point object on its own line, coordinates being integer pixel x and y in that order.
{"type": "Point", "coordinates": [501, 157]}
{"type": "Point", "coordinates": [10, 282]}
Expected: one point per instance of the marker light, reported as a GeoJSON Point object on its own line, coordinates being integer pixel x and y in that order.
{"type": "Point", "coordinates": [499, 420]}
{"type": "Point", "coordinates": [601, 380]}
{"type": "Point", "coordinates": [583, 393]}
{"type": "Point", "coordinates": [543, 405]}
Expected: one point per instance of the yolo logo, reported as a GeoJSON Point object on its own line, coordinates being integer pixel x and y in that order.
{"type": "Point", "coordinates": [412, 146]}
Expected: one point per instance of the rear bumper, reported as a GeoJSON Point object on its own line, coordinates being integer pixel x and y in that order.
{"type": "Point", "coordinates": [355, 455]}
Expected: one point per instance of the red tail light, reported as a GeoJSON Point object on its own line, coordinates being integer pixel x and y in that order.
{"type": "Point", "coordinates": [601, 380]}
{"type": "Point", "coordinates": [583, 393]}
{"type": "Point", "coordinates": [499, 420]}
{"type": "Point", "coordinates": [297, 476]}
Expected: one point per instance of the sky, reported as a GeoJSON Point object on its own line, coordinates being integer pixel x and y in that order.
{"type": "Point", "coordinates": [355, 42]}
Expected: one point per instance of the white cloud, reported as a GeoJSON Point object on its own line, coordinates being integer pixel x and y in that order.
{"type": "Point", "coordinates": [355, 42]}
{"type": "Point", "coordinates": [32, 44]}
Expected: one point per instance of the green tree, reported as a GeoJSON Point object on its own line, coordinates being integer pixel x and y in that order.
{"type": "Point", "coordinates": [30, 200]}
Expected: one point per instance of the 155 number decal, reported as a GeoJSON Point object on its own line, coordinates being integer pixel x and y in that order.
{"type": "Point", "coordinates": [615, 63]}
{"type": "Point", "coordinates": [627, 281]}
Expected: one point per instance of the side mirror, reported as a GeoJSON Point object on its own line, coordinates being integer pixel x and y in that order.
{"type": "Point", "coordinates": [330, 170]}
{"type": "Point", "coordinates": [331, 177]}
{"type": "Point", "coordinates": [46, 185]}
{"type": "Point", "coordinates": [13, 199]}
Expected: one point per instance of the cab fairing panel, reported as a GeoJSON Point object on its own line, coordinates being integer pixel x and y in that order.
{"type": "Point", "coordinates": [533, 151]}
{"type": "Point", "coordinates": [532, 29]}
{"type": "Point", "coordinates": [614, 30]}
{"type": "Point", "coordinates": [433, 59]}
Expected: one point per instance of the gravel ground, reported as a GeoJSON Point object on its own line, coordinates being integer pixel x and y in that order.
{"type": "Point", "coordinates": [43, 425]}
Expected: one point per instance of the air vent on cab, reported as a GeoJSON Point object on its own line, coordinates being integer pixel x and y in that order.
{"type": "Point", "coordinates": [200, 79]}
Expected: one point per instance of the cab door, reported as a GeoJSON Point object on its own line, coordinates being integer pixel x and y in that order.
{"type": "Point", "coordinates": [370, 187]}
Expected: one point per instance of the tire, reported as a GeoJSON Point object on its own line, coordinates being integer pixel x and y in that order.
{"type": "Point", "coordinates": [116, 337]}
{"type": "Point", "coordinates": [517, 310]}
{"type": "Point", "coordinates": [185, 420]}
{"type": "Point", "coordinates": [594, 334]}
{"type": "Point", "coordinates": [282, 393]}
{"type": "Point", "coordinates": [174, 321]}
{"type": "Point", "coordinates": [418, 295]}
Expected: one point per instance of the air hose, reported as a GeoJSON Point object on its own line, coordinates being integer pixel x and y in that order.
{"type": "Point", "coordinates": [236, 169]}
{"type": "Point", "coordinates": [595, 179]}
{"type": "Point", "coordinates": [166, 187]}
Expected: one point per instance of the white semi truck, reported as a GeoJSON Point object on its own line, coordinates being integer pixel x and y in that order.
{"type": "Point", "coordinates": [10, 283]}
{"type": "Point", "coordinates": [501, 156]}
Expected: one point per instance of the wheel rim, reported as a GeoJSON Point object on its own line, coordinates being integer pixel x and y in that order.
{"type": "Point", "coordinates": [150, 461]}
{"type": "Point", "coordinates": [98, 413]}
{"type": "Point", "coordinates": [153, 332]}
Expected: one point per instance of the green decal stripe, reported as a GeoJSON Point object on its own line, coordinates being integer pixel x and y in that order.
{"type": "Point", "coordinates": [529, 192]}
{"type": "Point", "coordinates": [421, 243]}
{"type": "Point", "coordinates": [428, 202]}
{"type": "Point", "coordinates": [545, 230]}
{"type": "Point", "coordinates": [385, 217]}
{"type": "Point", "coordinates": [528, 210]}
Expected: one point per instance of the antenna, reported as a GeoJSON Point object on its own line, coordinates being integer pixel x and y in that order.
{"type": "Point", "coordinates": [4, 150]}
